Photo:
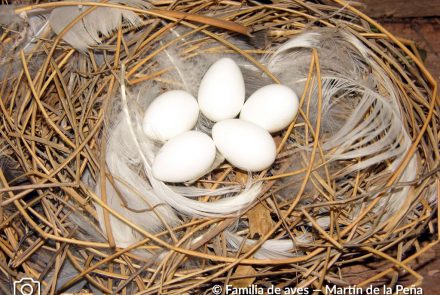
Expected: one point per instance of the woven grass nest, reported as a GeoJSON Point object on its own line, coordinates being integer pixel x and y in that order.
{"type": "Point", "coordinates": [58, 107]}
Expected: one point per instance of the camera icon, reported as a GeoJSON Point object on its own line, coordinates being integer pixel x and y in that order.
{"type": "Point", "coordinates": [27, 286]}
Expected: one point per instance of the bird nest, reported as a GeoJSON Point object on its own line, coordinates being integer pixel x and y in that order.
{"type": "Point", "coordinates": [335, 209]}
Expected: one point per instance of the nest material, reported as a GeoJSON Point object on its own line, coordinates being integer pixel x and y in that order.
{"type": "Point", "coordinates": [55, 105]}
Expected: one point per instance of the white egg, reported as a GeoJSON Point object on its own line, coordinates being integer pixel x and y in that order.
{"type": "Point", "coordinates": [272, 107]}
{"type": "Point", "coordinates": [244, 144]}
{"type": "Point", "coordinates": [185, 157]}
{"type": "Point", "coordinates": [170, 114]}
{"type": "Point", "coordinates": [221, 92]}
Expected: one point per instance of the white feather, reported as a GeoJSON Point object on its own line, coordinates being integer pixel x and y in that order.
{"type": "Point", "coordinates": [132, 189]}
{"type": "Point", "coordinates": [361, 117]}
{"type": "Point", "coordinates": [357, 88]}
{"type": "Point", "coordinates": [270, 249]}
{"type": "Point", "coordinates": [101, 21]}
{"type": "Point", "coordinates": [38, 25]}
{"type": "Point", "coordinates": [226, 206]}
